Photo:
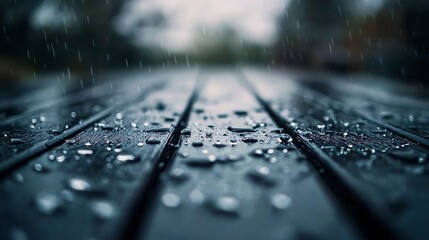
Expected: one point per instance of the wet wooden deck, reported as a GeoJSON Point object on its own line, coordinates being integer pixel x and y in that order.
{"type": "Point", "coordinates": [210, 153]}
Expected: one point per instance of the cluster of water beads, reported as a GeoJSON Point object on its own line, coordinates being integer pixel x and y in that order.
{"type": "Point", "coordinates": [394, 153]}
{"type": "Point", "coordinates": [224, 204]}
{"type": "Point", "coordinates": [51, 203]}
{"type": "Point", "coordinates": [228, 205]}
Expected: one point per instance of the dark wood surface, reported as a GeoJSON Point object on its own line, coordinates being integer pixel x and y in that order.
{"type": "Point", "coordinates": [208, 153]}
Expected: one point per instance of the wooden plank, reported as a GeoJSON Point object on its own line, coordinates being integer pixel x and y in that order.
{"type": "Point", "coordinates": [30, 134]}
{"type": "Point", "coordinates": [232, 178]}
{"type": "Point", "coordinates": [83, 188]}
{"type": "Point", "coordinates": [32, 94]}
{"type": "Point", "coordinates": [52, 91]}
{"type": "Point", "coordinates": [385, 173]}
{"type": "Point", "coordinates": [401, 108]}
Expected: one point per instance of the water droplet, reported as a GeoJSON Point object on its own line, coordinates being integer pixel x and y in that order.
{"type": "Point", "coordinates": [280, 201]}
{"type": "Point", "coordinates": [19, 178]}
{"type": "Point", "coordinates": [16, 141]}
{"type": "Point", "coordinates": [186, 131]}
{"type": "Point", "coordinates": [285, 138]}
{"type": "Point", "coordinates": [199, 110]}
{"type": "Point", "coordinates": [103, 210]}
{"type": "Point", "coordinates": [70, 141]}
{"type": "Point", "coordinates": [60, 158]}
{"type": "Point", "coordinates": [178, 174]}
{"type": "Point", "coordinates": [170, 200]}
{"type": "Point", "coordinates": [227, 158]}
{"type": "Point", "coordinates": [153, 141]}
{"type": "Point", "coordinates": [203, 161]}
{"type": "Point", "coordinates": [79, 184]}
{"type": "Point", "coordinates": [197, 197]}
{"type": "Point", "coordinates": [261, 175]}
{"type": "Point", "coordinates": [226, 204]}
{"type": "Point", "coordinates": [240, 112]}
{"type": "Point", "coordinates": [160, 106]}
{"type": "Point", "coordinates": [320, 126]}
{"type": "Point", "coordinates": [127, 158]}
{"type": "Point", "coordinates": [40, 168]}
{"type": "Point", "coordinates": [48, 203]}
{"type": "Point", "coordinates": [241, 129]}
{"type": "Point", "coordinates": [169, 119]}
{"type": "Point", "coordinates": [277, 130]}
{"type": "Point", "coordinates": [197, 144]}
{"type": "Point", "coordinates": [258, 153]}
{"type": "Point", "coordinates": [119, 116]}
{"type": "Point", "coordinates": [219, 145]}
{"type": "Point", "coordinates": [85, 151]}
{"type": "Point", "coordinates": [55, 131]}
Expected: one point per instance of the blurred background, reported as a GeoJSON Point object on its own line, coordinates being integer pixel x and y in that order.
{"type": "Point", "coordinates": [374, 37]}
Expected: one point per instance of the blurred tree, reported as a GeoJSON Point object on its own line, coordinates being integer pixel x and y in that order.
{"type": "Point", "coordinates": [385, 37]}
{"type": "Point", "coordinates": [60, 34]}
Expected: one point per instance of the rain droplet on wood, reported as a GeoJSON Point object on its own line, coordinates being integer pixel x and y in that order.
{"type": "Point", "coordinates": [241, 129]}
{"type": "Point", "coordinates": [16, 141]}
{"type": "Point", "coordinates": [170, 200]}
{"type": "Point", "coordinates": [153, 141]}
{"type": "Point", "coordinates": [48, 203]}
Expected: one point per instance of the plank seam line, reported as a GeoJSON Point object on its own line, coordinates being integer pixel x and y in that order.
{"type": "Point", "coordinates": [367, 215]}
{"type": "Point", "coordinates": [138, 211]}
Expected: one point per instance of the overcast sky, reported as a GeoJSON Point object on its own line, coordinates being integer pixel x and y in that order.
{"type": "Point", "coordinates": [187, 21]}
